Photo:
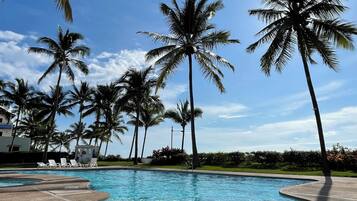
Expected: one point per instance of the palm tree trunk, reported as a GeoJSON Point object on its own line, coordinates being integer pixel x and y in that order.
{"type": "Point", "coordinates": [326, 169]}
{"type": "Point", "coordinates": [15, 129]}
{"type": "Point", "coordinates": [80, 121]}
{"type": "Point", "coordinates": [183, 138]}
{"type": "Point", "coordinates": [132, 145]}
{"type": "Point", "coordinates": [53, 116]}
{"type": "Point", "coordinates": [142, 149]}
{"type": "Point", "coordinates": [106, 148]}
{"type": "Point", "coordinates": [136, 134]}
{"type": "Point", "coordinates": [195, 160]}
{"type": "Point", "coordinates": [100, 146]}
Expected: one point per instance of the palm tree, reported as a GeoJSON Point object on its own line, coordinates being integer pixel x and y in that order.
{"type": "Point", "coordinates": [191, 35]}
{"type": "Point", "coordinates": [81, 96]}
{"type": "Point", "coordinates": [55, 101]}
{"type": "Point", "coordinates": [182, 116]}
{"type": "Point", "coordinates": [67, 9]}
{"type": "Point", "coordinates": [96, 107]}
{"type": "Point", "coordinates": [61, 139]}
{"type": "Point", "coordinates": [151, 115]}
{"type": "Point", "coordinates": [113, 126]}
{"type": "Point", "coordinates": [19, 95]}
{"type": "Point", "coordinates": [32, 127]}
{"type": "Point", "coordinates": [109, 96]}
{"type": "Point", "coordinates": [65, 53]}
{"type": "Point", "coordinates": [137, 85]}
{"type": "Point", "coordinates": [312, 26]}
{"type": "Point", "coordinates": [76, 131]}
{"type": "Point", "coordinates": [133, 122]}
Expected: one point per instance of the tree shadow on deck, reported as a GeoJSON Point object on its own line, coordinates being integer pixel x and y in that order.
{"type": "Point", "coordinates": [325, 190]}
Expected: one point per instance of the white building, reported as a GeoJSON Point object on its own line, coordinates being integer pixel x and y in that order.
{"type": "Point", "coordinates": [20, 143]}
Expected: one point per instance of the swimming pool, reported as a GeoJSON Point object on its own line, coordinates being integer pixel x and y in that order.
{"type": "Point", "coordinates": [155, 185]}
{"type": "Point", "coordinates": [4, 182]}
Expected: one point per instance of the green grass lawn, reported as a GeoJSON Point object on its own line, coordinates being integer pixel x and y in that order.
{"type": "Point", "coordinates": [235, 169]}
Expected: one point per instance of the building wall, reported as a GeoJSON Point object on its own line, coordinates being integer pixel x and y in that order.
{"type": "Point", "coordinates": [23, 143]}
{"type": "Point", "coordinates": [5, 126]}
{"type": "Point", "coordinates": [4, 119]}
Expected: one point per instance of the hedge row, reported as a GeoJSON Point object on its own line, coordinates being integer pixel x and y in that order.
{"type": "Point", "coordinates": [339, 158]}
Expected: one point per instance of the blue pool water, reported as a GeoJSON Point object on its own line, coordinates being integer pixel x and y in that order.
{"type": "Point", "coordinates": [15, 182]}
{"type": "Point", "coordinates": [155, 186]}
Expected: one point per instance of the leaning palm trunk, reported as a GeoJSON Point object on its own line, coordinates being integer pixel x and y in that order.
{"type": "Point", "coordinates": [52, 117]}
{"type": "Point", "coordinates": [106, 148]}
{"type": "Point", "coordinates": [326, 169]}
{"type": "Point", "coordinates": [132, 144]}
{"type": "Point", "coordinates": [195, 160]}
{"type": "Point", "coordinates": [142, 150]}
{"type": "Point", "coordinates": [15, 130]}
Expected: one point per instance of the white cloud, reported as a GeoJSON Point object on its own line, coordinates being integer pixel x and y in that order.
{"type": "Point", "coordinates": [296, 101]}
{"type": "Point", "coordinates": [171, 93]}
{"type": "Point", "coordinates": [11, 36]}
{"type": "Point", "coordinates": [15, 61]}
{"type": "Point", "coordinates": [225, 110]}
{"type": "Point", "coordinates": [339, 127]}
{"type": "Point", "coordinates": [107, 66]}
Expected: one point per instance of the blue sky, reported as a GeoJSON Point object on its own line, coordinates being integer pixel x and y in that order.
{"type": "Point", "coordinates": [256, 112]}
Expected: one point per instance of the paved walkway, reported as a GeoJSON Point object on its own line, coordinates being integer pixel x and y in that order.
{"type": "Point", "coordinates": [50, 187]}
{"type": "Point", "coordinates": [64, 188]}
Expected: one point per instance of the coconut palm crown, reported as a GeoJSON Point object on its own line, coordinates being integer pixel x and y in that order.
{"type": "Point", "coordinates": [191, 34]}
{"type": "Point", "coordinates": [311, 26]}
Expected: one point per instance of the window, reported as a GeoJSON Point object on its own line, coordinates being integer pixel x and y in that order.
{"type": "Point", "coordinates": [0, 134]}
{"type": "Point", "coordinates": [0, 120]}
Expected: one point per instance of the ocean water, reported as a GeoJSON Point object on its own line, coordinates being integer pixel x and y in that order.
{"type": "Point", "coordinates": [127, 185]}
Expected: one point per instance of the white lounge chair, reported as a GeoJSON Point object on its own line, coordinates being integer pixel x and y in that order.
{"type": "Point", "coordinates": [41, 165]}
{"type": "Point", "coordinates": [93, 162]}
{"type": "Point", "coordinates": [74, 163]}
{"type": "Point", "coordinates": [64, 163]}
{"type": "Point", "coordinates": [53, 164]}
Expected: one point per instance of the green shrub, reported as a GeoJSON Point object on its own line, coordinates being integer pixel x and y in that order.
{"type": "Point", "coordinates": [167, 156]}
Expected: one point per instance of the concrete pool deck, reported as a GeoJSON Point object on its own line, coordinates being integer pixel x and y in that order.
{"type": "Point", "coordinates": [49, 187]}
{"type": "Point", "coordinates": [70, 188]}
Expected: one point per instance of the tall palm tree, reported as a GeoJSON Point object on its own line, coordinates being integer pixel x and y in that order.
{"type": "Point", "coordinates": [61, 139]}
{"type": "Point", "coordinates": [56, 100]}
{"type": "Point", "coordinates": [76, 131]}
{"type": "Point", "coordinates": [191, 35]}
{"type": "Point", "coordinates": [109, 96]}
{"type": "Point", "coordinates": [151, 115]}
{"type": "Point", "coordinates": [65, 5]}
{"type": "Point", "coordinates": [32, 127]}
{"type": "Point", "coordinates": [80, 97]}
{"type": "Point", "coordinates": [19, 95]}
{"type": "Point", "coordinates": [137, 85]}
{"type": "Point", "coordinates": [182, 116]}
{"type": "Point", "coordinates": [65, 53]}
{"type": "Point", "coordinates": [133, 122]}
{"type": "Point", "coordinates": [95, 107]}
{"type": "Point", "coordinates": [314, 26]}
{"type": "Point", "coordinates": [113, 126]}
